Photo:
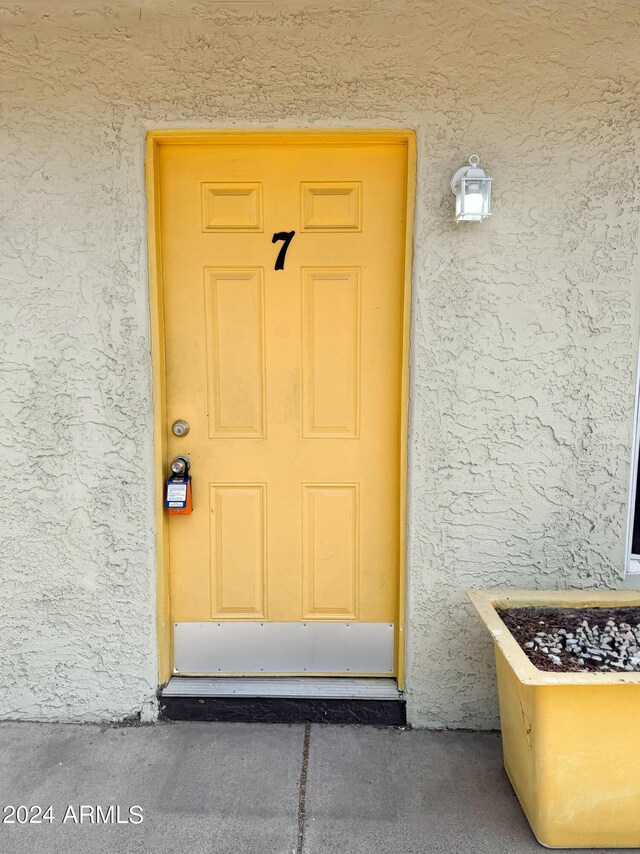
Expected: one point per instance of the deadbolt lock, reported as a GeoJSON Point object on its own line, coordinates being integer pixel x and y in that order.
{"type": "Point", "coordinates": [180, 428]}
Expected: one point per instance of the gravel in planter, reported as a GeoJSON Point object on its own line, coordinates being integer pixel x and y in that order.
{"type": "Point", "coordinates": [577, 639]}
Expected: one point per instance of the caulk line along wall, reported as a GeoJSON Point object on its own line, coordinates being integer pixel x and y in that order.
{"type": "Point", "coordinates": [523, 333]}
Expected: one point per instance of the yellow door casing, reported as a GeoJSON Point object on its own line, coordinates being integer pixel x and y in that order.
{"type": "Point", "coordinates": [293, 382]}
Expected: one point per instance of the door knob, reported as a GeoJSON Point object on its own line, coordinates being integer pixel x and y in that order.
{"type": "Point", "coordinates": [180, 466]}
{"type": "Point", "coordinates": [180, 427]}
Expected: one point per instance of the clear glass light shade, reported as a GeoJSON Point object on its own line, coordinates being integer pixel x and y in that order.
{"type": "Point", "coordinates": [472, 188]}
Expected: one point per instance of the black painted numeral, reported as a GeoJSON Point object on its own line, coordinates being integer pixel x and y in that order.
{"type": "Point", "coordinates": [286, 237]}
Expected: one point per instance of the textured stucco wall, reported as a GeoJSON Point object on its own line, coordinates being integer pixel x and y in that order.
{"type": "Point", "coordinates": [523, 334]}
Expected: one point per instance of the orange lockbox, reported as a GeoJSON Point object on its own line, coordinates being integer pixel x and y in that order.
{"type": "Point", "coordinates": [188, 504]}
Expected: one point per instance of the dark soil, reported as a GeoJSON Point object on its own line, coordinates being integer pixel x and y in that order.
{"type": "Point", "coordinates": [527, 623]}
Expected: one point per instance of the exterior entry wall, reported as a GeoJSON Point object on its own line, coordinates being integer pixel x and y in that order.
{"type": "Point", "coordinates": [523, 329]}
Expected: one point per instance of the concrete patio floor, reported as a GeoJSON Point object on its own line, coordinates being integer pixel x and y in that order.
{"type": "Point", "coordinates": [260, 789]}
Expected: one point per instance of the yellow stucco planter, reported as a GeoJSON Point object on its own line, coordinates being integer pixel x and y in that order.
{"type": "Point", "coordinates": [571, 741]}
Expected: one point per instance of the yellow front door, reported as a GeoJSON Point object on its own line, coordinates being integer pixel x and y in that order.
{"type": "Point", "coordinates": [283, 274]}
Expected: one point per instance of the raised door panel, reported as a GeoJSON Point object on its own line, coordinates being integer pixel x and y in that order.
{"type": "Point", "coordinates": [231, 207]}
{"type": "Point", "coordinates": [331, 352]}
{"type": "Point", "coordinates": [235, 352]}
{"type": "Point", "coordinates": [332, 206]}
{"type": "Point", "coordinates": [237, 549]}
{"type": "Point", "coordinates": [330, 550]}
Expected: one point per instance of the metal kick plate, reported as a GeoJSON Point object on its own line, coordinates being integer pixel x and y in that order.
{"type": "Point", "coordinates": [311, 647]}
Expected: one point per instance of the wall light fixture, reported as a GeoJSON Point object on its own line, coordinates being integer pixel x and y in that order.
{"type": "Point", "coordinates": [472, 188]}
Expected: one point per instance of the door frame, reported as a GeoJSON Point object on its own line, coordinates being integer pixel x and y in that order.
{"type": "Point", "coordinates": [155, 139]}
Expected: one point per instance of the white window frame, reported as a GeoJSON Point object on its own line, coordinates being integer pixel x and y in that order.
{"type": "Point", "coordinates": [632, 561]}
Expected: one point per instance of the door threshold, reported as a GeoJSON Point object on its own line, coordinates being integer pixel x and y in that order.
{"type": "Point", "coordinates": [284, 700]}
{"type": "Point", "coordinates": [340, 688]}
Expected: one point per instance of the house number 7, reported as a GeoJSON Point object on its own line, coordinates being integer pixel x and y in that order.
{"type": "Point", "coordinates": [286, 237]}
